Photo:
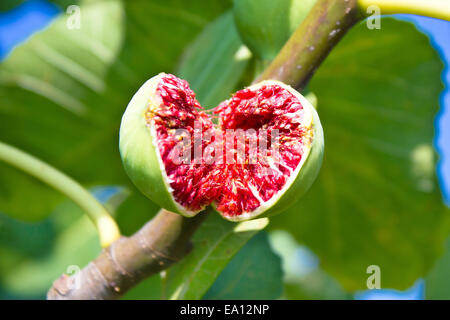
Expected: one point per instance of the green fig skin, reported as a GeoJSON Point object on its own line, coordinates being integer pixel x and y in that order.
{"type": "Point", "coordinates": [141, 160]}
{"type": "Point", "coordinates": [138, 152]}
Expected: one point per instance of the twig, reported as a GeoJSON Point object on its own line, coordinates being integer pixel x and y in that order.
{"type": "Point", "coordinates": [157, 245]}
{"type": "Point", "coordinates": [105, 224]}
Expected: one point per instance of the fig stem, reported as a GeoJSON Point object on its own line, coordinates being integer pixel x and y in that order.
{"type": "Point", "coordinates": [106, 226]}
{"type": "Point", "coordinates": [320, 31]}
{"type": "Point", "coordinates": [439, 9]}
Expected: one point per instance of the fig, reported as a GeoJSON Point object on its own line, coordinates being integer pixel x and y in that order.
{"type": "Point", "coordinates": [254, 155]}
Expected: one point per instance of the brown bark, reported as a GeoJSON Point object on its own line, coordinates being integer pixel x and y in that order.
{"type": "Point", "coordinates": [158, 244]}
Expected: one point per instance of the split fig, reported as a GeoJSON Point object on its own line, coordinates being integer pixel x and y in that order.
{"type": "Point", "coordinates": [254, 155]}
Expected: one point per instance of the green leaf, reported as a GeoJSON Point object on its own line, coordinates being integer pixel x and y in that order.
{"type": "Point", "coordinates": [253, 273]}
{"type": "Point", "coordinates": [33, 240]}
{"type": "Point", "coordinates": [62, 101]}
{"type": "Point", "coordinates": [6, 5]}
{"type": "Point", "coordinates": [437, 282]}
{"type": "Point", "coordinates": [214, 63]}
{"type": "Point", "coordinates": [65, 240]}
{"type": "Point", "coordinates": [377, 200]}
{"type": "Point", "coordinates": [134, 212]}
{"type": "Point", "coordinates": [46, 87]}
{"type": "Point", "coordinates": [34, 255]}
{"type": "Point", "coordinates": [215, 243]}
{"type": "Point", "coordinates": [265, 25]}
{"type": "Point", "coordinates": [148, 289]}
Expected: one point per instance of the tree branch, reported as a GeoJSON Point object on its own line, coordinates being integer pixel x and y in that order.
{"type": "Point", "coordinates": [157, 245]}
{"type": "Point", "coordinates": [165, 239]}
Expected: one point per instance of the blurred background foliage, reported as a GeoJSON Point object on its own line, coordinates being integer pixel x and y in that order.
{"type": "Point", "coordinates": [377, 200]}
